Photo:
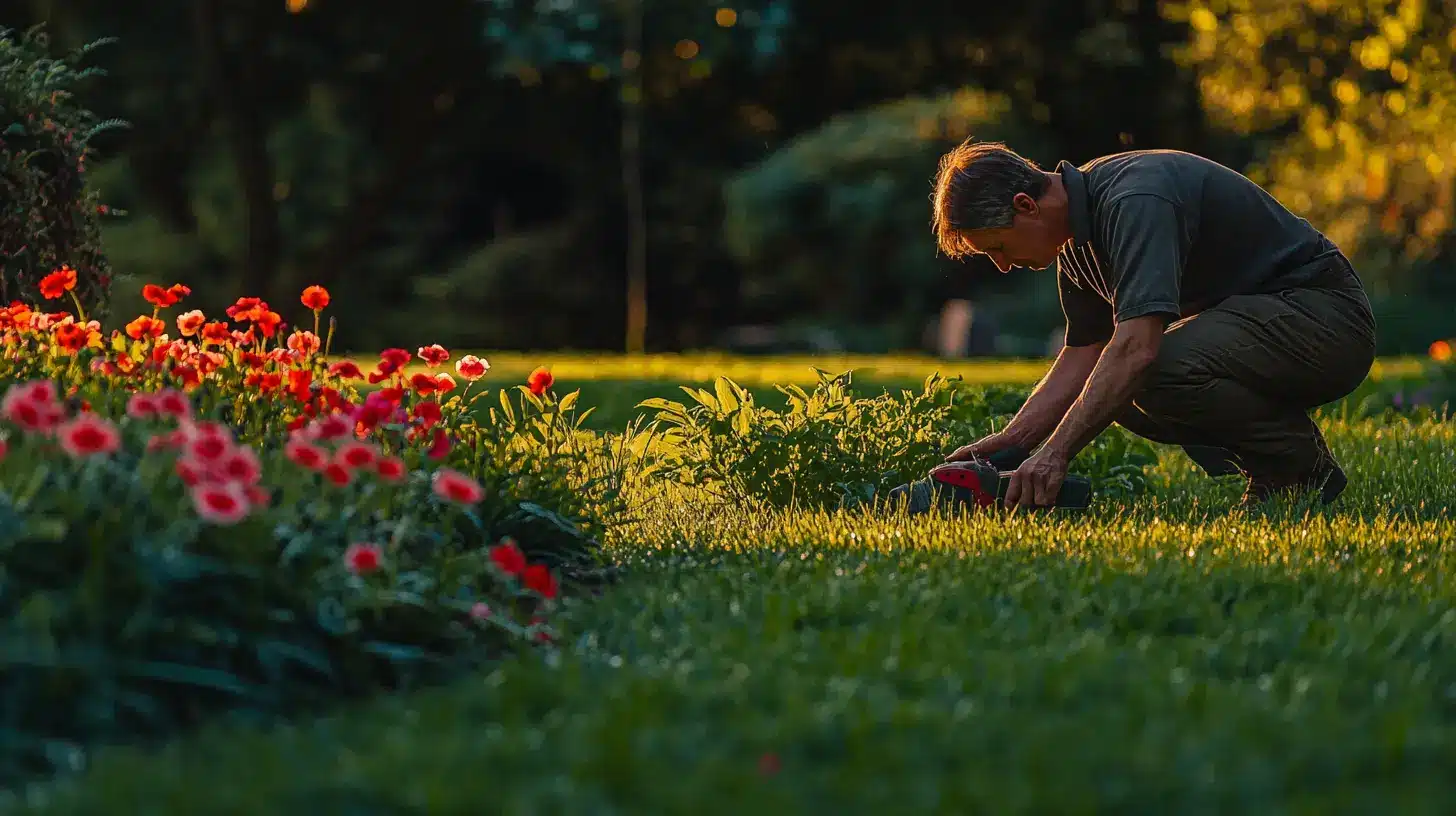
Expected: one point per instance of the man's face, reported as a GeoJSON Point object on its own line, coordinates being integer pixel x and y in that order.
{"type": "Point", "coordinates": [1028, 242]}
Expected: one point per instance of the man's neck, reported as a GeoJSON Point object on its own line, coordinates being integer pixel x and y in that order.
{"type": "Point", "coordinates": [1055, 203]}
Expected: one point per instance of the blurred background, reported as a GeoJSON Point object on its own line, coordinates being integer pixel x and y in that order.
{"type": "Point", "coordinates": [743, 175]}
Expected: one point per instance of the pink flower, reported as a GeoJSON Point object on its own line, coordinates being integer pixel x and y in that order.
{"type": "Point", "coordinates": [306, 455]}
{"type": "Point", "coordinates": [480, 611]}
{"type": "Point", "coordinates": [355, 455]}
{"type": "Point", "coordinates": [390, 468]}
{"type": "Point", "coordinates": [220, 502]}
{"type": "Point", "coordinates": [454, 486]}
{"type": "Point", "coordinates": [141, 406]}
{"type": "Point", "coordinates": [89, 435]}
{"type": "Point", "coordinates": [471, 367]}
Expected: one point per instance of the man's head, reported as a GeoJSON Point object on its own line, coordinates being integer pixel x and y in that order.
{"type": "Point", "coordinates": [990, 200]}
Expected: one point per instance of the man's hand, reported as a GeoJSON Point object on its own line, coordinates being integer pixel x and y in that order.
{"type": "Point", "coordinates": [981, 448]}
{"type": "Point", "coordinates": [1037, 481]}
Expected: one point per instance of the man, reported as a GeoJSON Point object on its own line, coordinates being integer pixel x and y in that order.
{"type": "Point", "coordinates": [1200, 312]}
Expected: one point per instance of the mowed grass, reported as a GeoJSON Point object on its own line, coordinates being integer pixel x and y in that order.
{"type": "Point", "coordinates": [1171, 656]}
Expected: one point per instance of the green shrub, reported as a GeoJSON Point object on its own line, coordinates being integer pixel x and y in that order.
{"type": "Point", "coordinates": [49, 218]}
{"type": "Point", "coordinates": [831, 448]}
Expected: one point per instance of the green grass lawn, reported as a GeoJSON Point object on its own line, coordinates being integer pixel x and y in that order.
{"type": "Point", "coordinates": [1169, 657]}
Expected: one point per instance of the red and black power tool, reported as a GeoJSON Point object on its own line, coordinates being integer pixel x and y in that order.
{"type": "Point", "coordinates": [982, 483]}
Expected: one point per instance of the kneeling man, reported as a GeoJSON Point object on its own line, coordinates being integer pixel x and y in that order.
{"type": "Point", "coordinates": [1200, 312]}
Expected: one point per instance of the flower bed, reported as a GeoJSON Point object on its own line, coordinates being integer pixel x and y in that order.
{"type": "Point", "coordinates": [224, 524]}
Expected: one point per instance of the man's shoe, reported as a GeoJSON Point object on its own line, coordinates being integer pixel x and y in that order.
{"type": "Point", "coordinates": [1326, 478]}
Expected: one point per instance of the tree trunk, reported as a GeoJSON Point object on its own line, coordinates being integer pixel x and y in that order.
{"type": "Point", "coordinates": [632, 102]}
{"type": "Point", "coordinates": [234, 86]}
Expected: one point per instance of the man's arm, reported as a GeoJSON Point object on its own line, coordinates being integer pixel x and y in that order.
{"type": "Point", "coordinates": [1116, 377]}
{"type": "Point", "coordinates": [1052, 396]}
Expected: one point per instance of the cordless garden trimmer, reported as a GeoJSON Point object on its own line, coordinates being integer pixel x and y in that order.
{"type": "Point", "coordinates": [982, 482]}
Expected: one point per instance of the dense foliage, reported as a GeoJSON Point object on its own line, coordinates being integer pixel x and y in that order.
{"type": "Point", "coordinates": [49, 216]}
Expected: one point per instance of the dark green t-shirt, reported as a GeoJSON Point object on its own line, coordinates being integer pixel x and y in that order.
{"type": "Point", "coordinates": [1162, 231]}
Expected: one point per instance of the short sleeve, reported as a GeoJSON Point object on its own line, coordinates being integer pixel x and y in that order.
{"type": "Point", "coordinates": [1089, 317]}
{"type": "Point", "coordinates": [1145, 249]}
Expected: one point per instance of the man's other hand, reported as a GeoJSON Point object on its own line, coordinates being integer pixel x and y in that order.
{"type": "Point", "coordinates": [981, 448]}
{"type": "Point", "coordinates": [1037, 481]}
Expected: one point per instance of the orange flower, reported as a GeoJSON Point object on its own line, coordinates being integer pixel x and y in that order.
{"type": "Point", "coordinates": [315, 298]}
{"type": "Point", "coordinates": [88, 435]}
{"type": "Point", "coordinates": [145, 326]}
{"type": "Point", "coordinates": [58, 283]}
{"type": "Point", "coordinates": [540, 380]}
{"type": "Point", "coordinates": [216, 332]}
{"type": "Point", "coordinates": [433, 355]}
{"type": "Point", "coordinates": [72, 336]}
{"type": "Point", "coordinates": [247, 308]}
{"type": "Point", "coordinates": [304, 342]}
{"type": "Point", "coordinates": [267, 322]}
{"type": "Point", "coordinates": [190, 323]}
{"type": "Point", "coordinates": [471, 367]}
{"type": "Point", "coordinates": [452, 485]}
{"type": "Point", "coordinates": [1441, 351]}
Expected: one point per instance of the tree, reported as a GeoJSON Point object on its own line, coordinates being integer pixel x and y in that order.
{"type": "Point", "coordinates": [611, 40]}
{"type": "Point", "coordinates": [1360, 101]}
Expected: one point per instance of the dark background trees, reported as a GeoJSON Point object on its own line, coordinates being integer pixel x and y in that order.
{"type": "Point", "coordinates": [610, 174]}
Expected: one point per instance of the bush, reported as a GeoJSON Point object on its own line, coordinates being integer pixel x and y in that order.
{"type": "Point", "coordinates": [221, 524]}
{"type": "Point", "coordinates": [50, 218]}
{"type": "Point", "coordinates": [831, 448]}
{"type": "Point", "coordinates": [837, 222]}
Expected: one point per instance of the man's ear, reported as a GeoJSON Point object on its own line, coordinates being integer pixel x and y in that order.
{"type": "Point", "coordinates": [1024, 204]}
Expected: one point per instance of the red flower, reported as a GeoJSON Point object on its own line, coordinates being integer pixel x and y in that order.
{"type": "Point", "coordinates": [338, 474]}
{"type": "Point", "coordinates": [72, 337]}
{"type": "Point", "coordinates": [58, 283]}
{"type": "Point", "coordinates": [190, 323]}
{"type": "Point", "coordinates": [439, 446]}
{"type": "Point", "coordinates": [540, 580]}
{"type": "Point", "coordinates": [433, 355]}
{"type": "Point", "coordinates": [355, 455]}
{"type": "Point", "coordinates": [539, 381]}
{"type": "Point", "coordinates": [315, 298]}
{"type": "Point", "coordinates": [362, 559]}
{"type": "Point", "coordinates": [427, 412]}
{"type": "Point", "coordinates": [390, 468]}
{"type": "Point", "coordinates": [88, 435]}
{"type": "Point", "coordinates": [159, 297]}
{"type": "Point", "coordinates": [346, 369]}
{"type": "Point", "coordinates": [423, 383]}
{"type": "Point", "coordinates": [509, 557]}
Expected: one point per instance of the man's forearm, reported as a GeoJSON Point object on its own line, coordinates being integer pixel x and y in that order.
{"type": "Point", "coordinates": [1052, 397]}
{"type": "Point", "coordinates": [1114, 381]}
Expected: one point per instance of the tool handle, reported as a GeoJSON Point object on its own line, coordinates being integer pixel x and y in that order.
{"type": "Point", "coordinates": [1075, 492]}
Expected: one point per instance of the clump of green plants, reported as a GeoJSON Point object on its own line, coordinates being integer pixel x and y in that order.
{"type": "Point", "coordinates": [833, 448]}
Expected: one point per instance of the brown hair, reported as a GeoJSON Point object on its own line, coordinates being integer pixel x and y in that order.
{"type": "Point", "coordinates": [974, 185]}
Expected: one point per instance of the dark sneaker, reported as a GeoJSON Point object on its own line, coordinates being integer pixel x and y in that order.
{"type": "Point", "coordinates": [1326, 478]}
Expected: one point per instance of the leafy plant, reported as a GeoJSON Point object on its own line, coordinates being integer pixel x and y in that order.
{"type": "Point", "coordinates": [832, 448]}
{"type": "Point", "coordinates": [49, 218]}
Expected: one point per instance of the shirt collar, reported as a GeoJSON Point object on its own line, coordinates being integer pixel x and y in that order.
{"type": "Point", "coordinates": [1079, 212]}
